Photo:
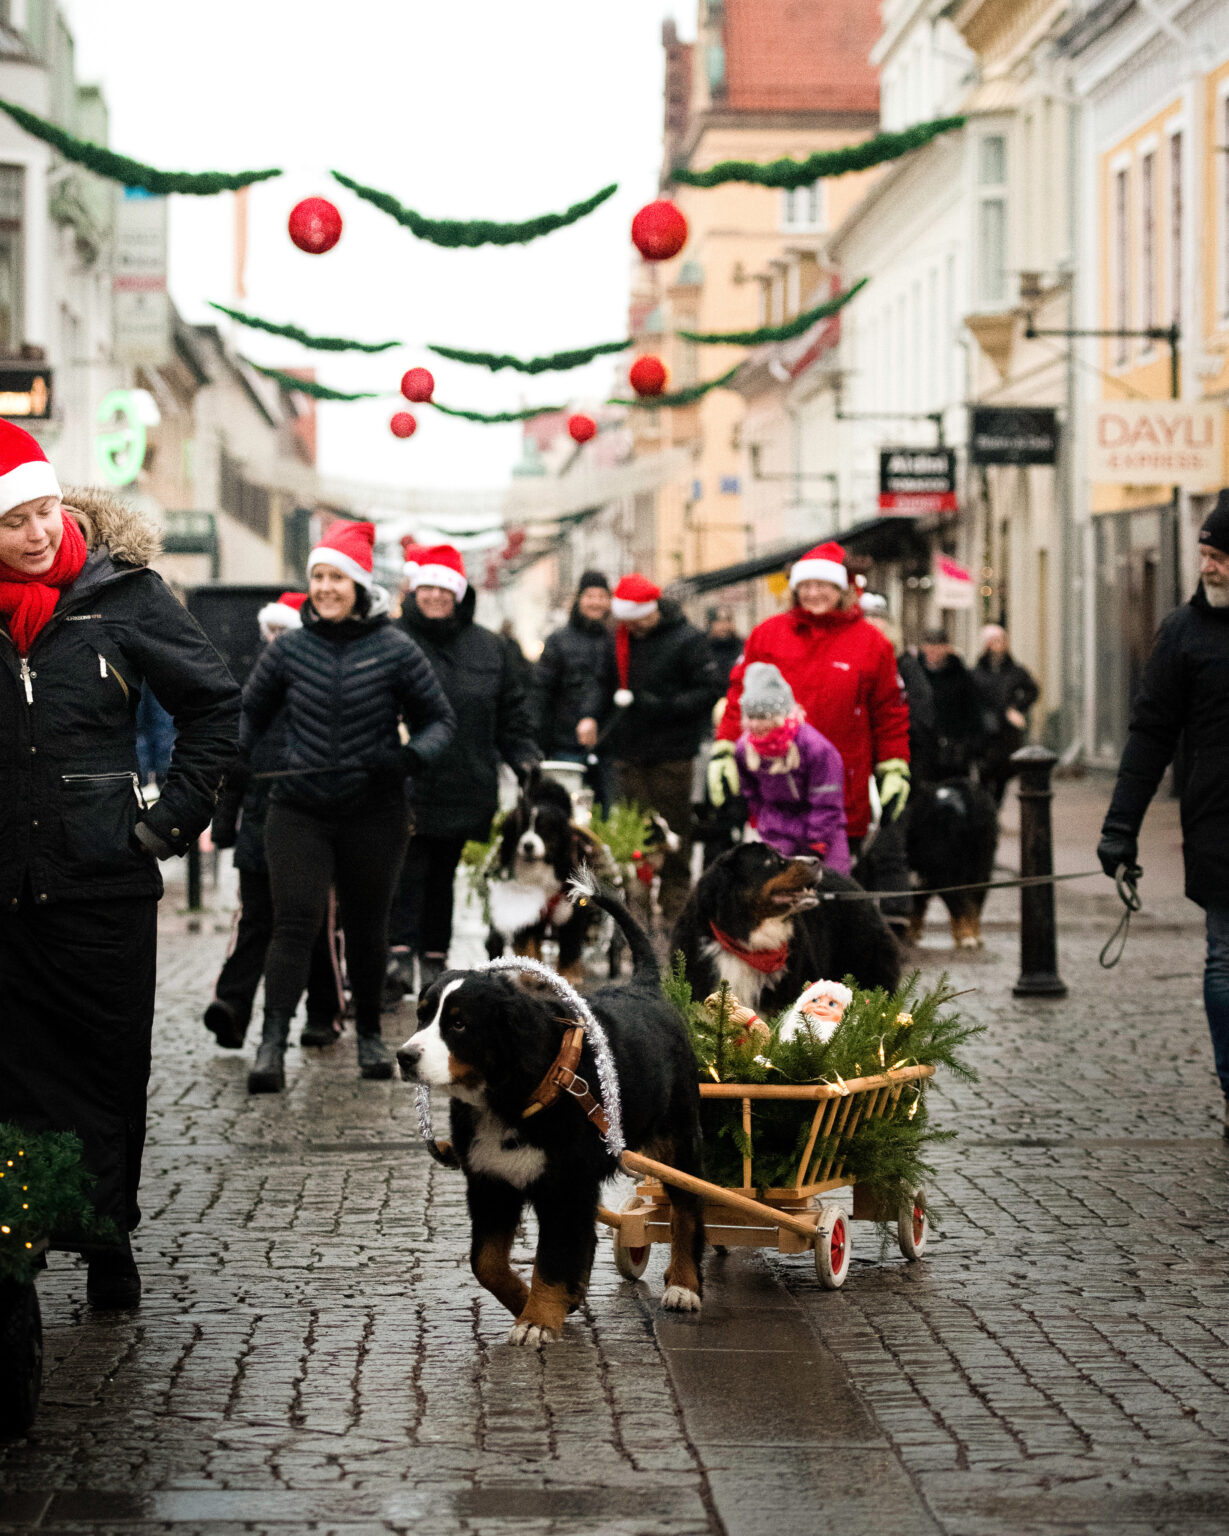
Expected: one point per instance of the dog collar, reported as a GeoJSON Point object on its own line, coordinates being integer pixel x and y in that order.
{"type": "Point", "coordinates": [766, 960]}
{"type": "Point", "coordinates": [562, 1077]}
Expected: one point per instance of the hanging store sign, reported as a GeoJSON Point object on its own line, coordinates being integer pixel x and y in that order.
{"type": "Point", "coordinates": [1157, 442]}
{"type": "Point", "coordinates": [25, 392]}
{"type": "Point", "coordinates": [953, 585]}
{"type": "Point", "coordinates": [140, 303]}
{"type": "Point", "coordinates": [1009, 434]}
{"type": "Point", "coordinates": [914, 482]}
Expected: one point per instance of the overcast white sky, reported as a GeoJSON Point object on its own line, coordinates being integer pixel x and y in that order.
{"type": "Point", "coordinates": [501, 109]}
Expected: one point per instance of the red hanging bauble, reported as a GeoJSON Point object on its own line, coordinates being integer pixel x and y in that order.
{"type": "Point", "coordinates": [582, 428]}
{"type": "Point", "coordinates": [659, 231]}
{"type": "Point", "coordinates": [647, 375]}
{"type": "Point", "coordinates": [417, 384]}
{"type": "Point", "coordinates": [403, 425]}
{"type": "Point", "coordinates": [315, 225]}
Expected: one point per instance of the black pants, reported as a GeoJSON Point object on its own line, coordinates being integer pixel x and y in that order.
{"type": "Point", "coordinates": [77, 983]}
{"type": "Point", "coordinates": [245, 963]}
{"type": "Point", "coordinates": [360, 853]}
{"type": "Point", "coordinates": [422, 912]}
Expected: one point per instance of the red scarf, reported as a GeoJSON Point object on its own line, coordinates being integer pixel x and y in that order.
{"type": "Point", "coordinates": [776, 742]}
{"type": "Point", "coordinates": [28, 601]}
{"type": "Point", "coordinates": [623, 652]}
{"type": "Point", "coordinates": [766, 960]}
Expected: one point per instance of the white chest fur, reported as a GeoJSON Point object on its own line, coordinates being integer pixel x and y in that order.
{"type": "Point", "coordinates": [489, 1153]}
{"type": "Point", "coordinates": [745, 982]}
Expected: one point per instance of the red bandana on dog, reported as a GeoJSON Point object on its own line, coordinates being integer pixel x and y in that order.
{"type": "Point", "coordinates": [26, 601]}
{"type": "Point", "coordinates": [765, 960]}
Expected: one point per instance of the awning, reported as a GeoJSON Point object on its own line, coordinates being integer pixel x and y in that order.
{"type": "Point", "coordinates": [879, 538]}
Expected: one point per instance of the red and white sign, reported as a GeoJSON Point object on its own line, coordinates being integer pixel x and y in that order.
{"type": "Point", "coordinates": [953, 584]}
{"type": "Point", "coordinates": [1157, 442]}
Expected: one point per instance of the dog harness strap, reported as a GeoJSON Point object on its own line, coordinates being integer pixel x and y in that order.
{"type": "Point", "coordinates": [562, 1077]}
{"type": "Point", "coordinates": [766, 960]}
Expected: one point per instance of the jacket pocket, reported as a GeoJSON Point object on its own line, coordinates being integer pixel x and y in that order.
{"type": "Point", "coordinates": [99, 813]}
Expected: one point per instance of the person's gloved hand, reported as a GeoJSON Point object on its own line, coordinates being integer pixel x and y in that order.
{"type": "Point", "coordinates": [224, 829]}
{"type": "Point", "coordinates": [722, 773]}
{"type": "Point", "coordinates": [893, 779]}
{"type": "Point", "coordinates": [1118, 846]}
{"type": "Point", "coordinates": [148, 841]}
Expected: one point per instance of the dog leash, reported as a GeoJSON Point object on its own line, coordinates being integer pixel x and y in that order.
{"type": "Point", "coordinates": [1022, 882]}
{"type": "Point", "coordinates": [1125, 883]}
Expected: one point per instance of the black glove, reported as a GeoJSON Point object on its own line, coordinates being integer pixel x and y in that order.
{"type": "Point", "coordinates": [148, 841]}
{"type": "Point", "coordinates": [1118, 846]}
{"type": "Point", "coordinates": [224, 829]}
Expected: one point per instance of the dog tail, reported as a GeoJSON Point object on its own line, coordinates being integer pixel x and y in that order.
{"type": "Point", "coordinates": [583, 887]}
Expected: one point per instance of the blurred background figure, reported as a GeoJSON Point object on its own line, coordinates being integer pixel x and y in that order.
{"type": "Point", "coordinates": [1008, 691]}
{"type": "Point", "coordinates": [957, 707]}
{"type": "Point", "coordinates": [572, 684]}
{"type": "Point", "coordinates": [725, 644]}
{"type": "Point", "coordinates": [155, 741]}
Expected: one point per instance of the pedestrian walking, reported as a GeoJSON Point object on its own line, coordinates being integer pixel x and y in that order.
{"type": "Point", "coordinates": [1008, 691]}
{"type": "Point", "coordinates": [572, 685]}
{"type": "Point", "coordinates": [843, 674]}
{"type": "Point", "coordinates": [792, 777]}
{"type": "Point", "coordinates": [86, 627]}
{"type": "Point", "coordinates": [724, 641]}
{"type": "Point", "coordinates": [668, 683]}
{"type": "Point", "coordinates": [957, 705]}
{"type": "Point", "coordinates": [1184, 696]}
{"type": "Point", "coordinates": [239, 823]}
{"type": "Point", "coordinates": [337, 816]}
{"type": "Point", "coordinates": [456, 800]}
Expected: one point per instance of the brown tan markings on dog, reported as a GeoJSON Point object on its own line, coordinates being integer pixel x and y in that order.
{"type": "Point", "coordinates": [681, 1269]}
{"type": "Point", "coordinates": [791, 881]}
{"type": "Point", "coordinates": [493, 1270]}
{"type": "Point", "coordinates": [548, 1304]}
{"type": "Point", "coordinates": [461, 1074]}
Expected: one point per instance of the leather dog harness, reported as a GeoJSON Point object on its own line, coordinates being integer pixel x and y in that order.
{"type": "Point", "coordinates": [562, 1077]}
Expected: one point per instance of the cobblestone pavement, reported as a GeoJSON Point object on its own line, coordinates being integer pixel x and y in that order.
{"type": "Point", "coordinates": [313, 1355]}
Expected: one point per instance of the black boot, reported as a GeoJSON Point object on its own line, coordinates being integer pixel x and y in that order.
{"type": "Point", "coordinates": [222, 1023]}
{"type": "Point", "coordinates": [112, 1282]}
{"type": "Point", "coordinates": [375, 1060]}
{"type": "Point", "coordinates": [268, 1074]}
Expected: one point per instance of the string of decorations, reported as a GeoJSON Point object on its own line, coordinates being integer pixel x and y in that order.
{"type": "Point", "coordinates": [689, 396]}
{"type": "Point", "coordinates": [304, 338]}
{"type": "Point", "coordinates": [474, 232]}
{"type": "Point", "coordinates": [310, 387]}
{"type": "Point", "coordinates": [130, 173]}
{"type": "Point", "coordinates": [552, 362]}
{"type": "Point", "coordinates": [791, 174]}
{"type": "Point", "coordinates": [766, 333]}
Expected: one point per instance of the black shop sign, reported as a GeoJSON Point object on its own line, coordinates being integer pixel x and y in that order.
{"type": "Point", "coordinates": [1009, 434]}
{"type": "Point", "coordinates": [915, 482]}
{"type": "Point", "coordinates": [25, 392]}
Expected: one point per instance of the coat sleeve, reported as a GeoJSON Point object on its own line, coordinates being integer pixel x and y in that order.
{"type": "Point", "coordinates": [514, 730]}
{"type": "Point", "coordinates": [544, 679]}
{"type": "Point", "coordinates": [424, 706]}
{"type": "Point", "coordinates": [750, 785]}
{"type": "Point", "coordinates": [263, 695]}
{"type": "Point", "coordinates": [1024, 690]}
{"type": "Point", "coordinates": [888, 708]}
{"type": "Point", "coordinates": [193, 684]}
{"type": "Point", "coordinates": [1157, 718]}
{"type": "Point", "coordinates": [825, 815]}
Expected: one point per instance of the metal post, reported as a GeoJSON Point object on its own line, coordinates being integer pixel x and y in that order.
{"type": "Point", "coordinates": [1038, 932]}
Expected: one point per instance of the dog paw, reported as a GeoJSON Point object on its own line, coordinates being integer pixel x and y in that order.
{"type": "Point", "coordinates": [969, 942]}
{"type": "Point", "coordinates": [677, 1298]}
{"type": "Point", "coordinates": [531, 1334]}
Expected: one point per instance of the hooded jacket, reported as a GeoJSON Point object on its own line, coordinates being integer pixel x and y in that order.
{"type": "Point", "coordinates": [572, 681]}
{"type": "Point", "coordinates": [674, 683]}
{"type": "Point", "coordinates": [70, 786]}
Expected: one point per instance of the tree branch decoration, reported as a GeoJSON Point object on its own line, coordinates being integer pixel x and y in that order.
{"type": "Point", "coordinates": [304, 338]}
{"type": "Point", "coordinates": [786, 332]}
{"type": "Point", "coordinates": [131, 173]}
{"type": "Point", "coordinates": [474, 232]}
{"type": "Point", "coordinates": [311, 388]}
{"type": "Point", "coordinates": [45, 1190]}
{"type": "Point", "coordinates": [552, 362]}
{"type": "Point", "coordinates": [497, 418]}
{"type": "Point", "coordinates": [687, 396]}
{"type": "Point", "coordinates": [792, 174]}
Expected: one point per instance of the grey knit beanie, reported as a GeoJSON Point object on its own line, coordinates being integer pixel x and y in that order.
{"type": "Point", "coordinates": [765, 692]}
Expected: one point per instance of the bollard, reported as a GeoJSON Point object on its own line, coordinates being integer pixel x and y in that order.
{"type": "Point", "coordinates": [1038, 932]}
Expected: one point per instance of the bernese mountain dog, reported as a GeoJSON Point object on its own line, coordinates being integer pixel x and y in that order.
{"type": "Point", "coordinates": [951, 837]}
{"type": "Point", "coordinates": [492, 1039]}
{"type": "Point", "coordinates": [757, 921]}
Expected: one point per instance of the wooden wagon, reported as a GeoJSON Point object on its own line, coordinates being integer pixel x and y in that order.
{"type": "Point", "coordinates": [793, 1219]}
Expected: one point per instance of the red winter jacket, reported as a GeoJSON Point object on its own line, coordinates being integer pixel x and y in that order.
{"type": "Point", "coordinates": [843, 673]}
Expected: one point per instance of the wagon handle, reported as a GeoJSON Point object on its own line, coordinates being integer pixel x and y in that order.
{"type": "Point", "coordinates": [634, 1162]}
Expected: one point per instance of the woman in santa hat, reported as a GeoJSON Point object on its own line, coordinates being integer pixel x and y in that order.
{"type": "Point", "coordinates": [86, 628]}
{"type": "Point", "coordinates": [343, 681]}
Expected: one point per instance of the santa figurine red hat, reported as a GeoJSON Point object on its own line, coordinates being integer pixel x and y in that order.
{"type": "Point", "coordinates": [826, 562]}
{"type": "Point", "coordinates": [441, 566]}
{"type": "Point", "coordinates": [411, 554]}
{"type": "Point", "coordinates": [348, 548]}
{"type": "Point", "coordinates": [274, 617]}
{"type": "Point", "coordinates": [25, 474]}
{"type": "Point", "coordinates": [635, 597]}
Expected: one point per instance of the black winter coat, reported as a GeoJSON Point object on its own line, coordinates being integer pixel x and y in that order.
{"type": "Point", "coordinates": [1003, 684]}
{"type": "Point", "coordinates": [343, 689]}
{"type": "Point", "coordinates": [70, 792]}
{"type": "Point", "coordinates": [1184, 693]}
{"type": "Point", "coordinates": [958, 717]}
{"type": "Point", "coordinates": [483, 683]}
{"type": "Point", "coordinates": [572, 681]}
{"type": "Point", "coordinates": [674, 682]}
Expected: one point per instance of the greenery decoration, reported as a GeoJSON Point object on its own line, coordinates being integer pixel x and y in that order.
{"type": "Point", "coordinates": [786, 332]}
{"type": "Point", "coordinates": [494, 418]}
{"type": "Point", "coordinates": [679, 396]}
{"type": "Point", "coordinates": [474, 232]}
{"type": "Point", "coordinates": [131, 173]}
{"type": "Point", "coordinates": [304, 338]}
{"type": "Point", "coordinates": [553, 362]}
{"type": "Point", "coordinates": [792, 174]}
{"type": "Point", "coordinates": [310, 387]}
{"type": "Point", "coordinates": [624, 831]}
{"type": "Point", "coordinates": [44, 1189]}
{"type": "Point", "coordinates": [478, 859]}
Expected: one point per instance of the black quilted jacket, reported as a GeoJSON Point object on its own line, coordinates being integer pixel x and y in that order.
{"type": "Point", "coordinates": [344, 688]}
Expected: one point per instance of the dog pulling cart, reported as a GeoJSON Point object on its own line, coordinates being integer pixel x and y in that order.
{"type": "Point", "coordinates": [796, 1218]}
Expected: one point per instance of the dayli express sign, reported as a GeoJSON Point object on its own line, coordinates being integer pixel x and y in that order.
{"type": "Point", "coordinates": [1157, 442]}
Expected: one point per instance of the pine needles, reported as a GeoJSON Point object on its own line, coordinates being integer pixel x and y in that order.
{"type": "Point", "coordinates": [44, 1189]}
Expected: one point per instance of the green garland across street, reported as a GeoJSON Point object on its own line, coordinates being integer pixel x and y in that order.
{"type": "Point", "coordinates": [687, 396]}
{"type": "Point", "coordinates": [131, 173]}
{"type": "Point", "coordinates": [310, 387]}
{"type": "Point", "coordinates": [304, 338]}
{"type": "Point", "coordinates": [474, 232]}
{"type": "Point", "coordinates": [792, 174]}
{"type": "Point", "coordinates": [496, 418]}
{"type": "Point", "coordinates": [786, 332]}
{"type": "Point", "coordinates": [553, 361]}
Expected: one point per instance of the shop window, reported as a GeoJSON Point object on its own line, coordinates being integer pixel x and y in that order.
{"type": "Point", "coordinates": [12, 258]}
{"type": "Point", "coordinates": [1175, 227]}
{"type": "Point", "coordinates": [1147, 239]}
{"type": "Point", "coordinates": [803, 208]}
{"type": "Point", "coordinates": [1122, 263]}
{"type": "Point", "coordinates": [992, 219]}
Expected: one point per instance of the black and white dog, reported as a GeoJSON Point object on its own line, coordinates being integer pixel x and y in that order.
{"type": "Point", "coordinates": [493, 1040]}
{"type": "Point", "coordinates": [951, 837]}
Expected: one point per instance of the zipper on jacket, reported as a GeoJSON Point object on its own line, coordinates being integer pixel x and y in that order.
{"type": "Point", "coordinates": [26, 676]}
{"type": "Point", "coordinates": [105, 670]}
{"type": "Point", "coordinates": [90, 778]}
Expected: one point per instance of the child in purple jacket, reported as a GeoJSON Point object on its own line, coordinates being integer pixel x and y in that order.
{"type": "Point", "coordinates": [793, 778]}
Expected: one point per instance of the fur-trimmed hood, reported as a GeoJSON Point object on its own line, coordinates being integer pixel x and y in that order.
{"type": "Point", "coordinates": [129, 535]}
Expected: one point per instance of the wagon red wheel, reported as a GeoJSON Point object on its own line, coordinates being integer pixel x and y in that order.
{"type": "Point", "coordinates": [913, 1225]}
{"type": "Point", "coordinates": [631, 1262]}
{"type": "Point", "coordinates": [833, 1249]}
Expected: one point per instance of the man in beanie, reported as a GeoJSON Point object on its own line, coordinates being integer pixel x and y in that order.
{"type": "Point", "coordinates": [572, 684]}
{"type": "Point", "coordinates": [667, 683]}
{"type": "Point", "coordinates": [1184, 696]}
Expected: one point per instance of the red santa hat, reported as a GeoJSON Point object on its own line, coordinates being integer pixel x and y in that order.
{"type": "Point", "coordinates": [635, 597]}
{"type": "Point", "coordinates": [411, 554]}
{"type": "Point", "coordinates": [347, 547]}
{"type": "Point", "coordinates": [282, 614]}
{"type": "Point", "coordinates": [826, 562]}
{"type": "Point", "coordinates": [25, 474]}
{"type": "Point", "coordinates": [441, 566]}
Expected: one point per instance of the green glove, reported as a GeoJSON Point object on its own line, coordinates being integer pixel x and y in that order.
{"type": "Point", "coordinates": [722, 773]}
{"type": "Point", "coordinates": [893, 777]}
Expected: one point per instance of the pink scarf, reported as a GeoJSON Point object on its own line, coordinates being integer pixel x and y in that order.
{"type": "Point", "coordinates": [776, 743]}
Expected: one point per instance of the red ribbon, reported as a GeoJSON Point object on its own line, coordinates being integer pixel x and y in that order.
{"type": "Point", "coordinates": [765, 960]}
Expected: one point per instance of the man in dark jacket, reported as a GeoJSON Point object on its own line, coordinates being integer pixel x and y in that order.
{"type": "Point", "coordinates": [958, 722]}
{"type": "Point", "coordinates": [572, 684]}
{"type": "Point", "coordinates": [724, 641]}
{"type": "Point", "coordinates": [1008, 691]}
{"type": "Point", "coordinates": [668, 684]}
{"type": "Point", "coordinates": [1185, 694]}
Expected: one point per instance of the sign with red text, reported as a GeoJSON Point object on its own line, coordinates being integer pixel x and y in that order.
{"type": "Point", "coordinates": [1157, 442]}
{"type": "Point", "coordinates": [916, 482]}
